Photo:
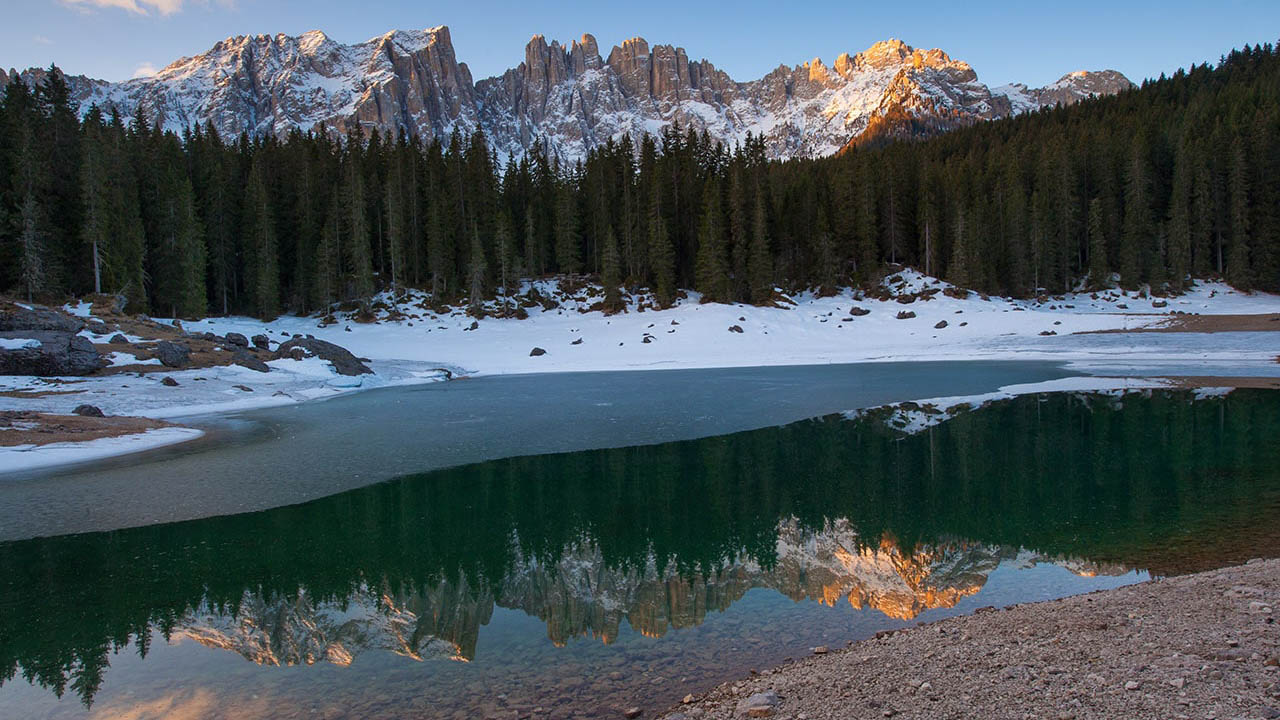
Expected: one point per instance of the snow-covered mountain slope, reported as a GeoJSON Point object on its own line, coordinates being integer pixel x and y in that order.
{"type": "Point", "coordinates": [1069, 88]}
{"type": "Point", "coordinates": [570, 98]}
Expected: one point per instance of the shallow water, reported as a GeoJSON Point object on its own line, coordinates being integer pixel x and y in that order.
{"type": "Point", "coordinates": [576, 584]}
{"type": "Point", "coordinates": [268, 458]}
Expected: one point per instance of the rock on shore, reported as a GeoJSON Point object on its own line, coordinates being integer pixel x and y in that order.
{"type": "Point", "coordinates": [1203, 645]}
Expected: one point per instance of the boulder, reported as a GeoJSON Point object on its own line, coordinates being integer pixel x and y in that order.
{"type": "Point", "coordinates": [36, 317]}
{"type": "Point", "coordinates": [237, 339]}
{"type": "Point", "coordinates": [537, 352]}
{"type": "Point", "coordinates": [941, 324]}
{"type": "Point", "coordinates": [905, 315]}
{"type": "Point", "coordinates": [172, 354]}
{"type": "Point", "coordinates": [88, 411]}
{"type": "Point", "coordinates": [51, 353]}
{"type": "Point", "coordinates": [245, 359]}
{"type": "Point", "coordinates": [97, 327]}
{"type": "Point", "coordinates": [168, 381]}
{"type": "Point", "coordinates": [858, 311]}
{"type": "Point", "coordinates": [735, 329]}
{"type": "Point", "coordinates": [342, 360]}
{"type": "Point", "coordinates": [118, 339]}
{"type": "Point", "coordinates": [261, 342]}
{"type": "Point", "coordinates": [759, 705]}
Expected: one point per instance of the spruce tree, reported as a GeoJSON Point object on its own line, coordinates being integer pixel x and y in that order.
{"type": "Point", "coordinates": [712, 271]}
{"type": "Point", "coordinates": [568, 254]}
{"type": "Point", "coordinates": [611, 272]}
{"type": "Point", "coordinates": [760, 260]}
{"type": "Point", "coordinates": [1099, 270]}
{"type": "Point", "coordinates": [661, 253]}
{"type": "Point", "coordinates": [357, 241]}
{"type": "Point", "coordinates": [260, 236]}
{"type": "Point", "coordinates": [32, 246]}
{"type": "Point", "coordinates": [477, 270]}
{"type": "Point", "coordinates": [1239, 267]}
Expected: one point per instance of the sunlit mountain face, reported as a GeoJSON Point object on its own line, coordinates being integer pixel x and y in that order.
{"type": "Point", "coordinates": [567, 99]}
{"type": "Point", "coordinates": [874, 516]}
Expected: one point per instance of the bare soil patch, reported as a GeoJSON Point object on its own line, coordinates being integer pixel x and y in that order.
{"type": "Point", "coordinates": [1202, 645]}
{"type": "Point", "coordinates": [22, 427]}
{"type": "Point", "coordinates": [1267, 322]}
{"type": "Point", "coordinates": [1211, 381]}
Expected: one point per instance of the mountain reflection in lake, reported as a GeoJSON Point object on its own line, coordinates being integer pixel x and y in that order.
{"type": "Point", "coordinates": [687, 563]}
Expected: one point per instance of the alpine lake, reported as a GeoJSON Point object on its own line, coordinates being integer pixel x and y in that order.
{"type": "Point", "coordinates": [572, 546]}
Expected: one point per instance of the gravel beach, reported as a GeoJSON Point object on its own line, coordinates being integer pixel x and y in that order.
{"type": "Point", "coordinates": [1194, 646]}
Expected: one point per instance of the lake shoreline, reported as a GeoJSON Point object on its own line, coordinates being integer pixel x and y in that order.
{"type": "Point", "coordinates": [1202, 645]}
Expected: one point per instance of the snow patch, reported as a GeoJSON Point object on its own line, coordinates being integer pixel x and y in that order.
{"type": "Point", "coordinates": [18, 343]}
{"type": "Point", "coordinates": [32, 457]}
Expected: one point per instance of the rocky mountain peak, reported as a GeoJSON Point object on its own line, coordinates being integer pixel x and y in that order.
{"type": "Point", "coordinates": [564, 96]}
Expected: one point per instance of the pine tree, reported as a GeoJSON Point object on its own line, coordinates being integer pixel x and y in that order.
{"type": "Point", "coordinates": [739, 236]}
{"type": "Point", "coordinates": [396, 230]}
{"type": "Point", "coordinates": [958, 271]}
{"type": "Point", "coordinates": [1239, 267]}
{"type": "Point", "coordinates": [1179, 223]}
{"type": "Point", "coordinates": [32, 245]}
{"type": "Point", "coordinates": [359, 258]}
{"type": "Point", "coordinates": [508, 267]}
{"type": "Point", "coordinates": [611, 273]}
{"type": "Point", "coordinates": [439, 259]}
{"type": "Point", "coordinates": [760, 261]}
{"type": "Point", "coordinates": [1099, 271]}
{"type": "Point", "coordinates": [261, 241]}
{"type": "Point", "coordinates": [712, 271]}
{"type": "Point", "coordinates": [478, 269]}
{"type": "Point", "coordinates": [324, 285]}
{"type": "Point", "coordinates": [1139, 228]}
{"type": "Point", "coordinates": [568, 254]}
{"type": "Point", "coordinates": [192, 301]}
{"type": "Point", "coordinates": [95, 192]}
{"type": "Point", "coordinates": [661, 254]}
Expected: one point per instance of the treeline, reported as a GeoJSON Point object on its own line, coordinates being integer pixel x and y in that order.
{"type": "Point", "coordinates": [1178, 179]}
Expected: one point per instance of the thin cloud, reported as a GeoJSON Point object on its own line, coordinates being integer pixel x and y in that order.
{"type": "Point", "coordinates": [41, 40]}
{"type": "Point", "coordinates": [146, 69]}
{"type": "Point", "coordinates": [140, 7]}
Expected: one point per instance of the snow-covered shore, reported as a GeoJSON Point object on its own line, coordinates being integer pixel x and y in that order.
{"type": "Point", "coordinates": [815, 330]}
{"type": "Point", "coordinates": [411, 344]}
{"type": "Point", "coordinates": [33, 457]}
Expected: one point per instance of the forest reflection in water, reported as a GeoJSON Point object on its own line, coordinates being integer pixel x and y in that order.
{"type": "Point", "coordinates": [901, 510]}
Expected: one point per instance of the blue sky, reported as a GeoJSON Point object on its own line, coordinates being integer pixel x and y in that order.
{"type": "Point", "coordinates": [1030, 42]}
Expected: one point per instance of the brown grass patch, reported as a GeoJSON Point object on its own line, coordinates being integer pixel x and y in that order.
{"type": "Point", "coordinates": [22, 427]}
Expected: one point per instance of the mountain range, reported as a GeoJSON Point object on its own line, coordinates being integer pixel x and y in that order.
{"type": "Point", "coordinates": [581, 595]}
{"type": "Point", "coordinates": [568, 98]}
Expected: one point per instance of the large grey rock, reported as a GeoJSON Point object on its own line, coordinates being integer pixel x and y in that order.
{"type": "Point", "coordinates": [342, 360]}
{"type": "Point", "coordinates": [38, 318]}
{"type": "Point", "coordinates": [245, 359]}
{"type": "Point", "coordinates": [172, 354]}
{"type": "Point", "coordinates": [234, 338]}
{"type": "Point", "coordinates": [52, 353]}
